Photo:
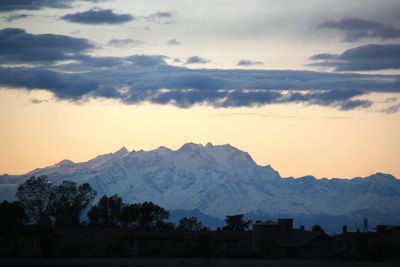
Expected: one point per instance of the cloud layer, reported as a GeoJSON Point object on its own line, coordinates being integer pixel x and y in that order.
{"type": "Point", "coordinates": [148, 78]}
{"type": "Point", "coordinates": [101, 16]}
{"type": "Point", "coordinates": [18, 46]}
{"type": "Point", "coordinates": [356, 29]}
{"type": "Point", "coordinates": [362, 58]}
{"type": "Point", "coordinates": [10, 5]}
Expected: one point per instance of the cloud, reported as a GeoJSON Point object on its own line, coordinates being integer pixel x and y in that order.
{"type": "Point", "coordinates": [344, 99]}
{"type": "Point", "coordinates": [10, 5]}
{"type": "Point", "coordinates": [247, 62]}
{"type": "Point", "coordinates": [390, 100]}
{"type": "Point", "coordinates": [101, 16]}
{"type": "Point", "coordinates": [38, 101]}
{"type": "Point", "coordinates": [66, 86]}
{"type": "Point", "coordinates": [391, 109]}
{"type": "Point", "coordinates": [164, 17]}
{"type": "Point", "coordinates": [160, 14]}
{"type": "Point", "coordinates": [173, 42]}
{"type": "Point", "coordinates": [362, 58]}
{"type": "Point", "coordinates": [13, 17]}
{"type": "Point", "coordinates": [196, 60]}
{"type": "Point", "coordinates": [142, 78]}
{"type": "Point", "coordinates": [18, 46]}
{"type": "Point", "coordinates": [356, 29]}
{"type": "Point", "coordinates": [124, 43]}
{"type": "Point", "coordinates": [135, 79]}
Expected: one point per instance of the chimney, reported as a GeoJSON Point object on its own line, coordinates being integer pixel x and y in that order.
{"type": "Point", "coordinates": [285, 225]}
{"type": "Point", "coordinates": [344, 229]}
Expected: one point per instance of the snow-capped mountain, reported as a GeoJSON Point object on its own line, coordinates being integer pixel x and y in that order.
{"type": "Point", "coordinates": [220, 181]}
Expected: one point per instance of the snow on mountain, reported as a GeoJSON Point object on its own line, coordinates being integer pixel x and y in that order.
{"type": "Point", "coordinates": [218, 181]}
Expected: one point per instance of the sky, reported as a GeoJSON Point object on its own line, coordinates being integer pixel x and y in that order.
{"type": "Point", "coordinates": [309, 87]}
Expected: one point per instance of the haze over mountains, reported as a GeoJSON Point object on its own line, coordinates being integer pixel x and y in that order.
{"type": "Point", "coordinates": [214, 181]}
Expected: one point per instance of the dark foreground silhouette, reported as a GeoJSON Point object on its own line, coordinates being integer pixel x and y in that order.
{"type": "Point", "coordinates": [183, 262]}
{"type": "Point", "coordinates": [45, 223]}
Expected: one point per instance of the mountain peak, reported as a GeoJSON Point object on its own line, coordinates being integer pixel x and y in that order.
{"type": "Point", "coordinates": [209, 145]}
{"type": "Point", "coordinates": [380, 175]}
{"type": "Point", "coordinates": [122, 152]}
{"type": "Point", "coordinates": [65, 162]}
{"type": "Point", "coordinates": [163, 148]}
{"type": "Point", "coordinates": [190, 147]}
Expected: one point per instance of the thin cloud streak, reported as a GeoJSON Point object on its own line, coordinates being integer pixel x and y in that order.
{"type": "Point", "coordinates": [279, 116]}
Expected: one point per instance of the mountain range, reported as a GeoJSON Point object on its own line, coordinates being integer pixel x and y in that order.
{"type": "Point", "coordinates": [213, 181]}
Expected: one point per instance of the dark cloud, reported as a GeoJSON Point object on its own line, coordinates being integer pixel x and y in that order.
{"type": "Point", "coordinates": [351, 24]}
{"type": "Point", "coordinates": [66, 86]}
{"type": "Point", "coordinates": [124, 42]}
{"type": "Point", "coordinates": [324, 56]}
{"type": "Point", "coordinates": [336, 98]}
{"type": "Point", "coordinates": [356, 29]}
{"type": "Point", "coordinates": [173, 42]}
{"type": "Point", "coordinates": [142, 78]}
{"type": "Point", "coordinates": [196, 60]}
{"type": "Point", "coordinates": [13, 17]}
{"type": "Point", "coordinates": [18, 46]}
{"type": "Point", "coordinates": [135, 79]}
{"type": "Point", "coordinates": [247, 62]}
{"type": "Point", "coordinates": [362, 58]}
{"type": "Point", "coordinates": [10, 5]}
{"type": "Point", "coordinates": [101, 16]}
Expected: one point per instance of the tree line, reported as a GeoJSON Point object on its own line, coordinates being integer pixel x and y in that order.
{"type": "Point", "coordinates": [40, 202]}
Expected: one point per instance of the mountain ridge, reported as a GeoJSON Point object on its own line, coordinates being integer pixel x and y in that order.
{"type": "Point", "coordinates": [219, 180]}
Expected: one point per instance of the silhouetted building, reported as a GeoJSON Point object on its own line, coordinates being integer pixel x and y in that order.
{"type": "Point", "coordinates": [388, 241]}
{"type": "Point", "coordinates": [353, 245]}
{"type": "Point", "coordinates": [279, 239]}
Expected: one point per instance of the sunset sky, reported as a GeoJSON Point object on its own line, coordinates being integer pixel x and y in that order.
{"type": "Point", "coordinates": [309, 87]}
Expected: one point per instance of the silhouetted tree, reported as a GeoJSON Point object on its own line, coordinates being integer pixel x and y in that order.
{"type": "Point", "coordinates": [151, 216]}
{"type": "Point", "coordinates": [190, 224]}
{"type": "Point", "coordinates": [67, 202]}
{"type": "Point", "coordinates": [130, 215]}
{"type": "Point", "coordinates": [11, 214]}
{"type": "Point", "coordinates": [34, 195]}
{"type": "Point", "coordinates": [236, 223]}
{"type": "Point", "coordinates": [317, 228]}
{"type": "Point", "coordinates": [107, 212]}
{"type": "Point", "coordinates": [161, 225]}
